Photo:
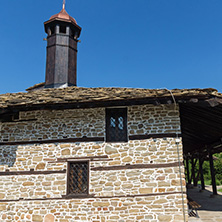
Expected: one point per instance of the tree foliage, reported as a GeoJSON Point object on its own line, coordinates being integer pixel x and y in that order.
{"type": "Point", "coordinates": [206, 169]}
{"type": "Point", "coordinates": [218, 167]}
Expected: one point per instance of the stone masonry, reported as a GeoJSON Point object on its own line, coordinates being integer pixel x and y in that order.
{"type": "Point", "coordinates": [144, 186]}
{"type": "Point", "coordinates": [54, 124]}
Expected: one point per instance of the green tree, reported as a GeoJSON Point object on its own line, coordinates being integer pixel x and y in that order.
{"type": "Point", "coordinates": [218, 167]}
{"type": "Point", "coordinates": [206, 169]}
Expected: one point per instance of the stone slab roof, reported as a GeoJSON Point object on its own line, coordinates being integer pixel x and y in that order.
{"type": "Point", "coordinates": [72, 95]}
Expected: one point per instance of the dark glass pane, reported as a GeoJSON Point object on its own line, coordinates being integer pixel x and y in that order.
{"type": "Point", "coordinates": [120, 125]}
{"type": "Point", "coordinates": [116, 125]}
{"type": "Point", "coordinates": [112, 122]}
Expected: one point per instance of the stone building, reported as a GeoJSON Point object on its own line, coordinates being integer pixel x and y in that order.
{"type": "Point", "coordinates": [69, 153]}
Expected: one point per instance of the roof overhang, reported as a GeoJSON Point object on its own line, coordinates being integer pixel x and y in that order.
{"type": "Point", "coordinates": [200, 109]}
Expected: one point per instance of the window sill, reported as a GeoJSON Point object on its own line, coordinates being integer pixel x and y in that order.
{"type": "Point", "coordinates": [117, 141]}
{"type": "Point", "coordinates": [77, 196]}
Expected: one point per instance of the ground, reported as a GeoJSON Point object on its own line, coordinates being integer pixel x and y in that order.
{"type": "Point", "coordinates": [211, 208]}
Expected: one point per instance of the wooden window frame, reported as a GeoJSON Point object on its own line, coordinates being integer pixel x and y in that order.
{"type": "Point", "coordinates": [125, 111]}
{"type": "Point", "coordinates": [68, 194]}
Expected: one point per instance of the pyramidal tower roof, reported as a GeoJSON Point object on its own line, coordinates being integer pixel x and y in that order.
{"type": "Point", "coordinates": [63, 15]}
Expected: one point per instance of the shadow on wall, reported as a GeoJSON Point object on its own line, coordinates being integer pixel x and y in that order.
{"type": "Point", "coordinates": [8, 155]}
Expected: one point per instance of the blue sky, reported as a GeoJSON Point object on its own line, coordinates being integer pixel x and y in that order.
{"type": "Point", "coordinates": [125, 43]}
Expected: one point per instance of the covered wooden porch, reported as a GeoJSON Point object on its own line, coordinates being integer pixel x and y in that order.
{"type": "Point", "coordinates": [201, 126]}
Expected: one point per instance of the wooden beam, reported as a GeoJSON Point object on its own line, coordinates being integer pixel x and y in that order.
{"type": "Point", "coordinates": [90, 196]}
{"type": "Point", "coordinates": [65, 140]}
{"type": "Point", "coordinates": [135, 166]}
{"type": "Point", "coordinates": [213, 179]}
{"type": "Point", "coordinates": [199, 99]}
{"type": "Point", "coordinates": [188, 171]}
{"type": "Point", "coordinates": [201, 161]}
{"type": "Point", "coordinates": [91, 158]}
{"type": "Point", "coordinates": [195, 178]}
{"type": "Point", "coordinates": [200, 126]}
{"type": "Point", "coordinates": [193, 171]}
{"type": "Point", "coordinates": [88, 139]}
{"type": "Point", "coordinates": [157, 135]}
{"type": "Point", "coordinates": [31, 172]}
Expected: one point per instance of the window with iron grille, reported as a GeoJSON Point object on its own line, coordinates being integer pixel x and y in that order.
{"type": "Point", "coordinates": [78, 178]}
{"type": "Point", "coordinates": [116, 125]}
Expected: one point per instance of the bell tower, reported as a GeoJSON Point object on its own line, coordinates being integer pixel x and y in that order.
{"type": "Point", "coordinates": [61, 61]}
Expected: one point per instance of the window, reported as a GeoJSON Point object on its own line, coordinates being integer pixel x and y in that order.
{"type": "Point", "coordinates": [52, 30]}
{"type": "Point", "coordinates": [72, 32]}
{"type": "Point", "coordinates": [62, 29]}
{"type": "Point", "coordinates": [78, 178]}
{"type": "Point", "coordinates": [116, 125]}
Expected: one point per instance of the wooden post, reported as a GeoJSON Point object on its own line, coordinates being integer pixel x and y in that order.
{"type": "Point", "coordinates": [193, 171]}
{"type": "Point", "coordinates": [213, 179]}
{"type": "Point", "coordinates": [201, 172]}
{"type": "Point", "coordinates": [188, 171]}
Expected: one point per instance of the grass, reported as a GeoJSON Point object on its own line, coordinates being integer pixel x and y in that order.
{"type": "Point", "coordinates": [220, 190]}
{"type": "Point", "coordinates": [207, 182]}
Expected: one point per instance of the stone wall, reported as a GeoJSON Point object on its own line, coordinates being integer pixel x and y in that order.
{"type": "Point", "coordinates": [134, 181]}
{"type": "Point", "coordinates": [151, 208]}
{"type": "Point", "coordinates": [32, 186]}
{"type": "Point", "coordinates": [102, 183]}
{"type": "Point", "coordinates": [149, 119]}
{"type": "Point", "coordinates": [58, 124]}
{"type": "Point", "coordinates": [41, 156]}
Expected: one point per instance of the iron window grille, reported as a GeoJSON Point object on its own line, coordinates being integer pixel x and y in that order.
{"type": "Point", "coordinates": [116, 125]}
{"type": "Point", "coordinates": [78, 178]}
